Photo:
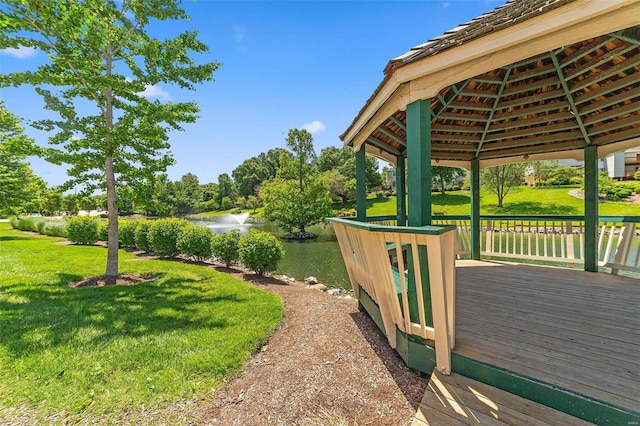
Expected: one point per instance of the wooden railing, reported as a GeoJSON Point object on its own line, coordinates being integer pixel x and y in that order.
{"type": "Point", "coordinates": [388, 262]}
{"type": "Point", "coordinates": [551, 238]}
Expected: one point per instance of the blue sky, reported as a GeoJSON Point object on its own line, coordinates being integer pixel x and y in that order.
{"type": "Point", "coordinates": [286, 64]}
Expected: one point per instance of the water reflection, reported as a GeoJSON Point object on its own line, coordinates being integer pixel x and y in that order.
{"type": "Point", "coordinates": [319, 257]}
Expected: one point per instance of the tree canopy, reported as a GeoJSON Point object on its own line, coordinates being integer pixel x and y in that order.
{"type": "Point", "coordinates": [15, 174]}
{"type": "Point", "coordinates": [502, 179]}
{"type": "Point", "coordinates": [101, 59]}
{"type": "Point", "coordinates": [343, 160]}
{"type": "Point", "coordinates": [249, 175]}
{"type": "Point", "coordinates": [297, 197]}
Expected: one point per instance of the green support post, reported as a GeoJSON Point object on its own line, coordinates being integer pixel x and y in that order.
{"type": "Point", "coordinates": [475, 209]}
{"type": "Point", "coordinates": [401, 210]}
{"type": "Point", "coordinates": [419, 197]}
{"type": "Point", "coordinates": [361, 185]}
{"type": "Point", "coordinates": [419, 162]}
{"type": "Point", "coordinates": [591, 208]}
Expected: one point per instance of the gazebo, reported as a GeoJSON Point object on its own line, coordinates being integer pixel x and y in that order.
{"type": "Point", "coordinates": [529, 80]}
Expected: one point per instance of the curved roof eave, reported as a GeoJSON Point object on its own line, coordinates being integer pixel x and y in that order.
{"type": "Point", "coordinates": [421, 77]}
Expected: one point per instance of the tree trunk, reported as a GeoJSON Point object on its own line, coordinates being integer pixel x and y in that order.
{"type": "Point", "coordinates": [112, 208]}
{"type": "Point", "coordinates": [442, 190]}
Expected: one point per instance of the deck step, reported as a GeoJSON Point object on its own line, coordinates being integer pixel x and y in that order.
{"type": "Point", "coordinates": [458, 400]}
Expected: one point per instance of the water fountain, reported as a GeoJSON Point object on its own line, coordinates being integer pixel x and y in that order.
{"type": "Point", "coordinates": [230, 221]}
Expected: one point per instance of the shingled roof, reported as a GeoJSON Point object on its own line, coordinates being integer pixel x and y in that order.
{"type": "Point", "coordinates": [507, 15]}
{"type": "Point", "coordinates": [560, 99]}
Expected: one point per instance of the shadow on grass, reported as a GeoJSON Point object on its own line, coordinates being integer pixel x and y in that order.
{"type": "Point", "coordinates": [449, 199]}
{"type": "Point", "coordinates": [412, 387]}
{"type": "Point", "coordinates": [530, 208]}
{"type": "Point", "coordinates": [13, 238]}
{"type": "Point", "coordinates": [39, 317]}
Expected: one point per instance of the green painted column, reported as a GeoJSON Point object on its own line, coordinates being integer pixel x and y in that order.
{"type": "Point", "coordinates": [419, 162]}
{"type": "Point", "coordinates": [591, 208]}
{"type": "Point", "coordinates": [419, 198]}
{"type": "Point", "coordinates": [401, 209]}
{"type": "Point", "coordinates": [475, 209]}
{"type": "Point", "coordinates": [361, 185]}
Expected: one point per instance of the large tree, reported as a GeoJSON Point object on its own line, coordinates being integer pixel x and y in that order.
{"type": "Point", "coordinates": [443, 176]}
{"type": "Point", "coordinates": [101, 59]}
{"type": "Point", "coordinates": [15, 173]}
{"type": "Point", "coordinates": [343, 160]}
{"type": "Point", "coordinates": [249, 175]}
{"type": "Point", "coordinates": [297, 197]}
{"type": "Point", "coordinates": [502, 179]}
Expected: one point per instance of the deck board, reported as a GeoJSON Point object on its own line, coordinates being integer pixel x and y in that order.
{"type": "Point", "coordinates": [456, 399]}
{"type": "Point", "coordinates": [573, 329]}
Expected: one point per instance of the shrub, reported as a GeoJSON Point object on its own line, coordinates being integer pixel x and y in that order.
{"type": "Point", "coordinates": [636, 175]}
{"type": "Point", "coordinates": [29, 223]}
{"type": "Point", "coordinates": [260, 251]}
{"type": "Point", "coordinates": [195, 241]}
{"type": "Point", "coordinates": [103, 230]}
{"type": "Point", "coordinates": [163, 236]}
{"type": "Point", "coordinates": [379, 194]}
{"type": "Point", "coordinates": [346, 212]}
{"type": "Point", "coordinates": [575, 180]}
{"type": "Point", "coordinates": [225, 246]}
{"type": "Point", "coordinates": [55, 228]}
{"type": "Point", "coordinates": [612, 196]}
{"type": "Point", "coordinates": [14, 222]}
{"type": "Point", "coordinates": [127, 233]}
{"type": "Point", "coordinates": [142, 235]}
{"type": "Point", "coordinates": [40, 226]}
{"type": "Point", "coordinates": [83, 230]}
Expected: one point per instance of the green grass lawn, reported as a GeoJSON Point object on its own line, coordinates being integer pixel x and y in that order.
{"type": "Point", "coordinates": [521, 201]}
{"type": "Point", "coordinates": [90, 351]}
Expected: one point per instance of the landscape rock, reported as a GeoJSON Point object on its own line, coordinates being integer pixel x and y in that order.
{"type": "Point", "coordinates": [311, 280]}
{"type": "Point", "coordinates": [320, 287]}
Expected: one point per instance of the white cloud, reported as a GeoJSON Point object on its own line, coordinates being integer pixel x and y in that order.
{"type": "Point", "coordinates": [240, 33]}
{"type": "Point", "coordinates": [154, 91]}
{"type": "Point", "coordinates": [314, 127]}
{"type": "Point", "coordinates": [20, 53]}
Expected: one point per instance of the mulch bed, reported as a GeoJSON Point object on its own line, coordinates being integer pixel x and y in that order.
{"type": "Point", "coordinates": [121, 279]}
{"type": "Point", "coordinates": [327, 363]}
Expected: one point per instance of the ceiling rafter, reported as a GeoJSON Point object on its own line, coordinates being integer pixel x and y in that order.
{"type": "Point", "coordinates": [599, 60]}
{"type": "Point", "coordinates": [391, 136]}
{"type": "Point", "coordinates": [610, 72]}
{"type": "Point", "coordinates": [546, 127]}
{"type": "Point", "coordinates": [618, 123]}
{"type": "Point", "coordinates": [544, 96]}
{"type": "Point", "coordinates": [526, 150]}
{"type": "Point", "coordinates": [619, 35]}
{"type": "Point", "coordinates": [574, 108]}
{"type": "Point", "coordinates": [534, 121]}
{"type": "Point", "coordinates": [493, 110]}
{"type": "Point", "coordinates": [398, 123]}
{"type": "Point", "coordinates": [628, 81]}
{"type": "Point", "coordinates": [381, 145]}
{"type": "Point", "coordinates": [611, 100]}
{"type": "Point", "coordinates": [612, 113]}
{"type": "Point", "coordinates": [444, 103]}
{"type": "Point", "coordinates": [584, 51]}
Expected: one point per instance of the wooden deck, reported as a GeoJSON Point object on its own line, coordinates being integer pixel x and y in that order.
{"type": "Point", "coordinates": [458, 400]}
{"type": "Point", "coordinates": [575, 330]}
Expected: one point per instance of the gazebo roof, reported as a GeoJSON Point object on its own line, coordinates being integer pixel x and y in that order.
{"type": "Point", "coordinates": [530, 79]}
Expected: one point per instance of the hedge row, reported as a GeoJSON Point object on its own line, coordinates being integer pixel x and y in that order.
{"type": "Point", "coordinates": [258, 250]}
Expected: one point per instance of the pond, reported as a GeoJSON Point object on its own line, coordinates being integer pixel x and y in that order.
{"type": "Point", "coordinates": [319, 257]}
